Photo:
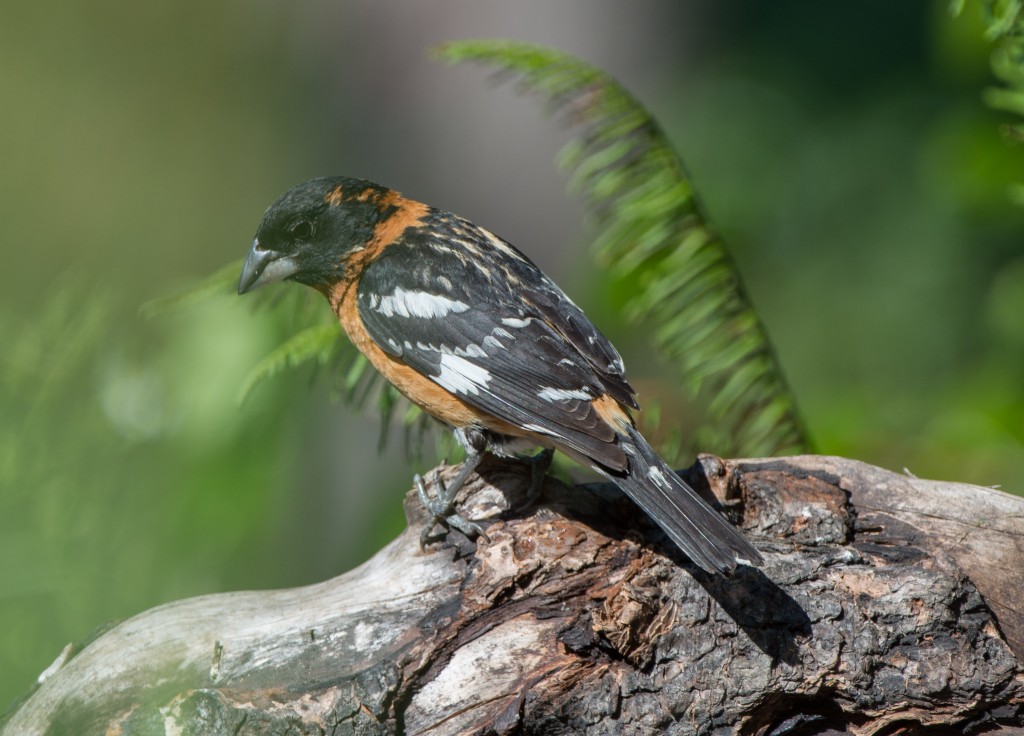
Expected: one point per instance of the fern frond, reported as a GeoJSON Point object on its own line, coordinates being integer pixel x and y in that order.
{"type": "Point", "coordinates": [652, 233]}
{"type": "Point", "coordinates": [1005, 26]}
{"type": "Point", "coordinates": [317, 340]}
{"type": "Point", "coordinates": [221, 281]}
{"type": "Point", "coordinates": [318, 344]}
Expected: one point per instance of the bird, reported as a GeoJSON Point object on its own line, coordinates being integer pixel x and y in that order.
{"type": "Point", "coordinates": [465, 325]}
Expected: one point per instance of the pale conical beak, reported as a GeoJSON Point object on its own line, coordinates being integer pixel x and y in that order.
{"type": "Point", "coordinates": [264, 267]}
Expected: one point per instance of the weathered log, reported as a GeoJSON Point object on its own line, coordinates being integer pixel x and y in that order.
{"type": "Point", "coordinates": [888, 604]}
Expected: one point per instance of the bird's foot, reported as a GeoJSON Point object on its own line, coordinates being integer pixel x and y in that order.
{"type": "Point", "coordinates": [442, 509]}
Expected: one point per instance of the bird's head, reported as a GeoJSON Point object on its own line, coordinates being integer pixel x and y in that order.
{"type": "Point", "coordinates": [308, 233]}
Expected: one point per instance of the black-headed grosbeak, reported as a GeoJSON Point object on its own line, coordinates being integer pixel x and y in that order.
{"type": "Point", "coordinates": [466, 326]}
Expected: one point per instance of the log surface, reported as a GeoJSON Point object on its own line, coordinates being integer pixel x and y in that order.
{"type": "Point", "coordinates": [887, 604]}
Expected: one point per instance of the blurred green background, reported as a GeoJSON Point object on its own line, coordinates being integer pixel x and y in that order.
{"type": "Point", "coordinates": [842, 149]}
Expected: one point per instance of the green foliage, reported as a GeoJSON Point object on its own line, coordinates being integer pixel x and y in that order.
{"type": "Point", "coordinates": [316, 344]}
{"type": "Point", "coordinates": [127, 475]}
{"type": "Point", "coordinates": [654, 238]}
{"type": "Point", "coordinates": [219, 283]}
{"type": "Point", "coordinates": [1005, 26]}
{"type": "Point", "coordinates": [316, 341]}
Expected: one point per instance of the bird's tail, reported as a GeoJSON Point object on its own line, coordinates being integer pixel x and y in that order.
{"type": "Point", "coordinates": [701, 532]}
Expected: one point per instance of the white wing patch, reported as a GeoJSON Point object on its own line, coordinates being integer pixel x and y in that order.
{"type": "Point", "coordinates": [560, 394]}
{"type": "Point", "coordinates": [458, 375]}
{"type": "Point", "coordinates": [515, 322]}
{"type": "Point", "coordinates": [425, 347]}
{"type": "Point", "coordinates": [471, 351]}
{"type": "Point", "coordinates": [415, 304]}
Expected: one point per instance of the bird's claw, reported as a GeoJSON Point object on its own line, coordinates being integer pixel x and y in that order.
{"type": "Point", "coordinates": [442, 509]}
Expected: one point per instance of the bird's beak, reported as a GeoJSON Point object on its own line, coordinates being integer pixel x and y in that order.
{"type": "Point", "coordinates": [264, 267]}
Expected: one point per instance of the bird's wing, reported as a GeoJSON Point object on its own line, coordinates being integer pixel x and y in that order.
{"type": "Point", "coordinates": [489, 327]}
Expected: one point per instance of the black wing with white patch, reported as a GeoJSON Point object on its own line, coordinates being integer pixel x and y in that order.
{"type": "Point", "coordinates": [482, 321]}
{"type": "Point", "coordinates": [552, 305]}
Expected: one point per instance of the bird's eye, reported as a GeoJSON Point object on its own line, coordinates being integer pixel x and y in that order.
{"type": "Point", "coordinates": [302, 230]}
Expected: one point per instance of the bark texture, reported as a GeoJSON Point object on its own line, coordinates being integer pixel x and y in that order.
{"type": "Point", "coordinates": [887, 605]}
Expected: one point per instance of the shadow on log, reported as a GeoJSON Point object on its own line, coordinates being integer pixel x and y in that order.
{"type": "Point", "coordinates": [887, 605]}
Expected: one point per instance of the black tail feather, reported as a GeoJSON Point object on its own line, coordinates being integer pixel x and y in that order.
{"type": "Point", "coordinates": [701, 532]}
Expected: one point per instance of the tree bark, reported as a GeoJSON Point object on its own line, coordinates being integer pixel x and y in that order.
{"type": "Point", "coordinates": [887, 605]}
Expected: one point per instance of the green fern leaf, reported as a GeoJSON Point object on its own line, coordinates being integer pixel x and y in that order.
{"type": "Point", "coordinates": [652, 233]}
{"type": "Point", "coordinates": [317, 340]}
{"type": "Point", "coordinates": [1005, 26]}
{"type": "Point", "coordinates": [221, 281]}
{"type": "Point", "coordinates": [318, 344]}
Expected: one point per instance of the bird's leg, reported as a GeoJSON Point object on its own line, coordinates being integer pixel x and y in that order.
{"type": "Point", "coordinates": [539, 466]}
{"type": "Point", "coordinates": [443, 507]}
